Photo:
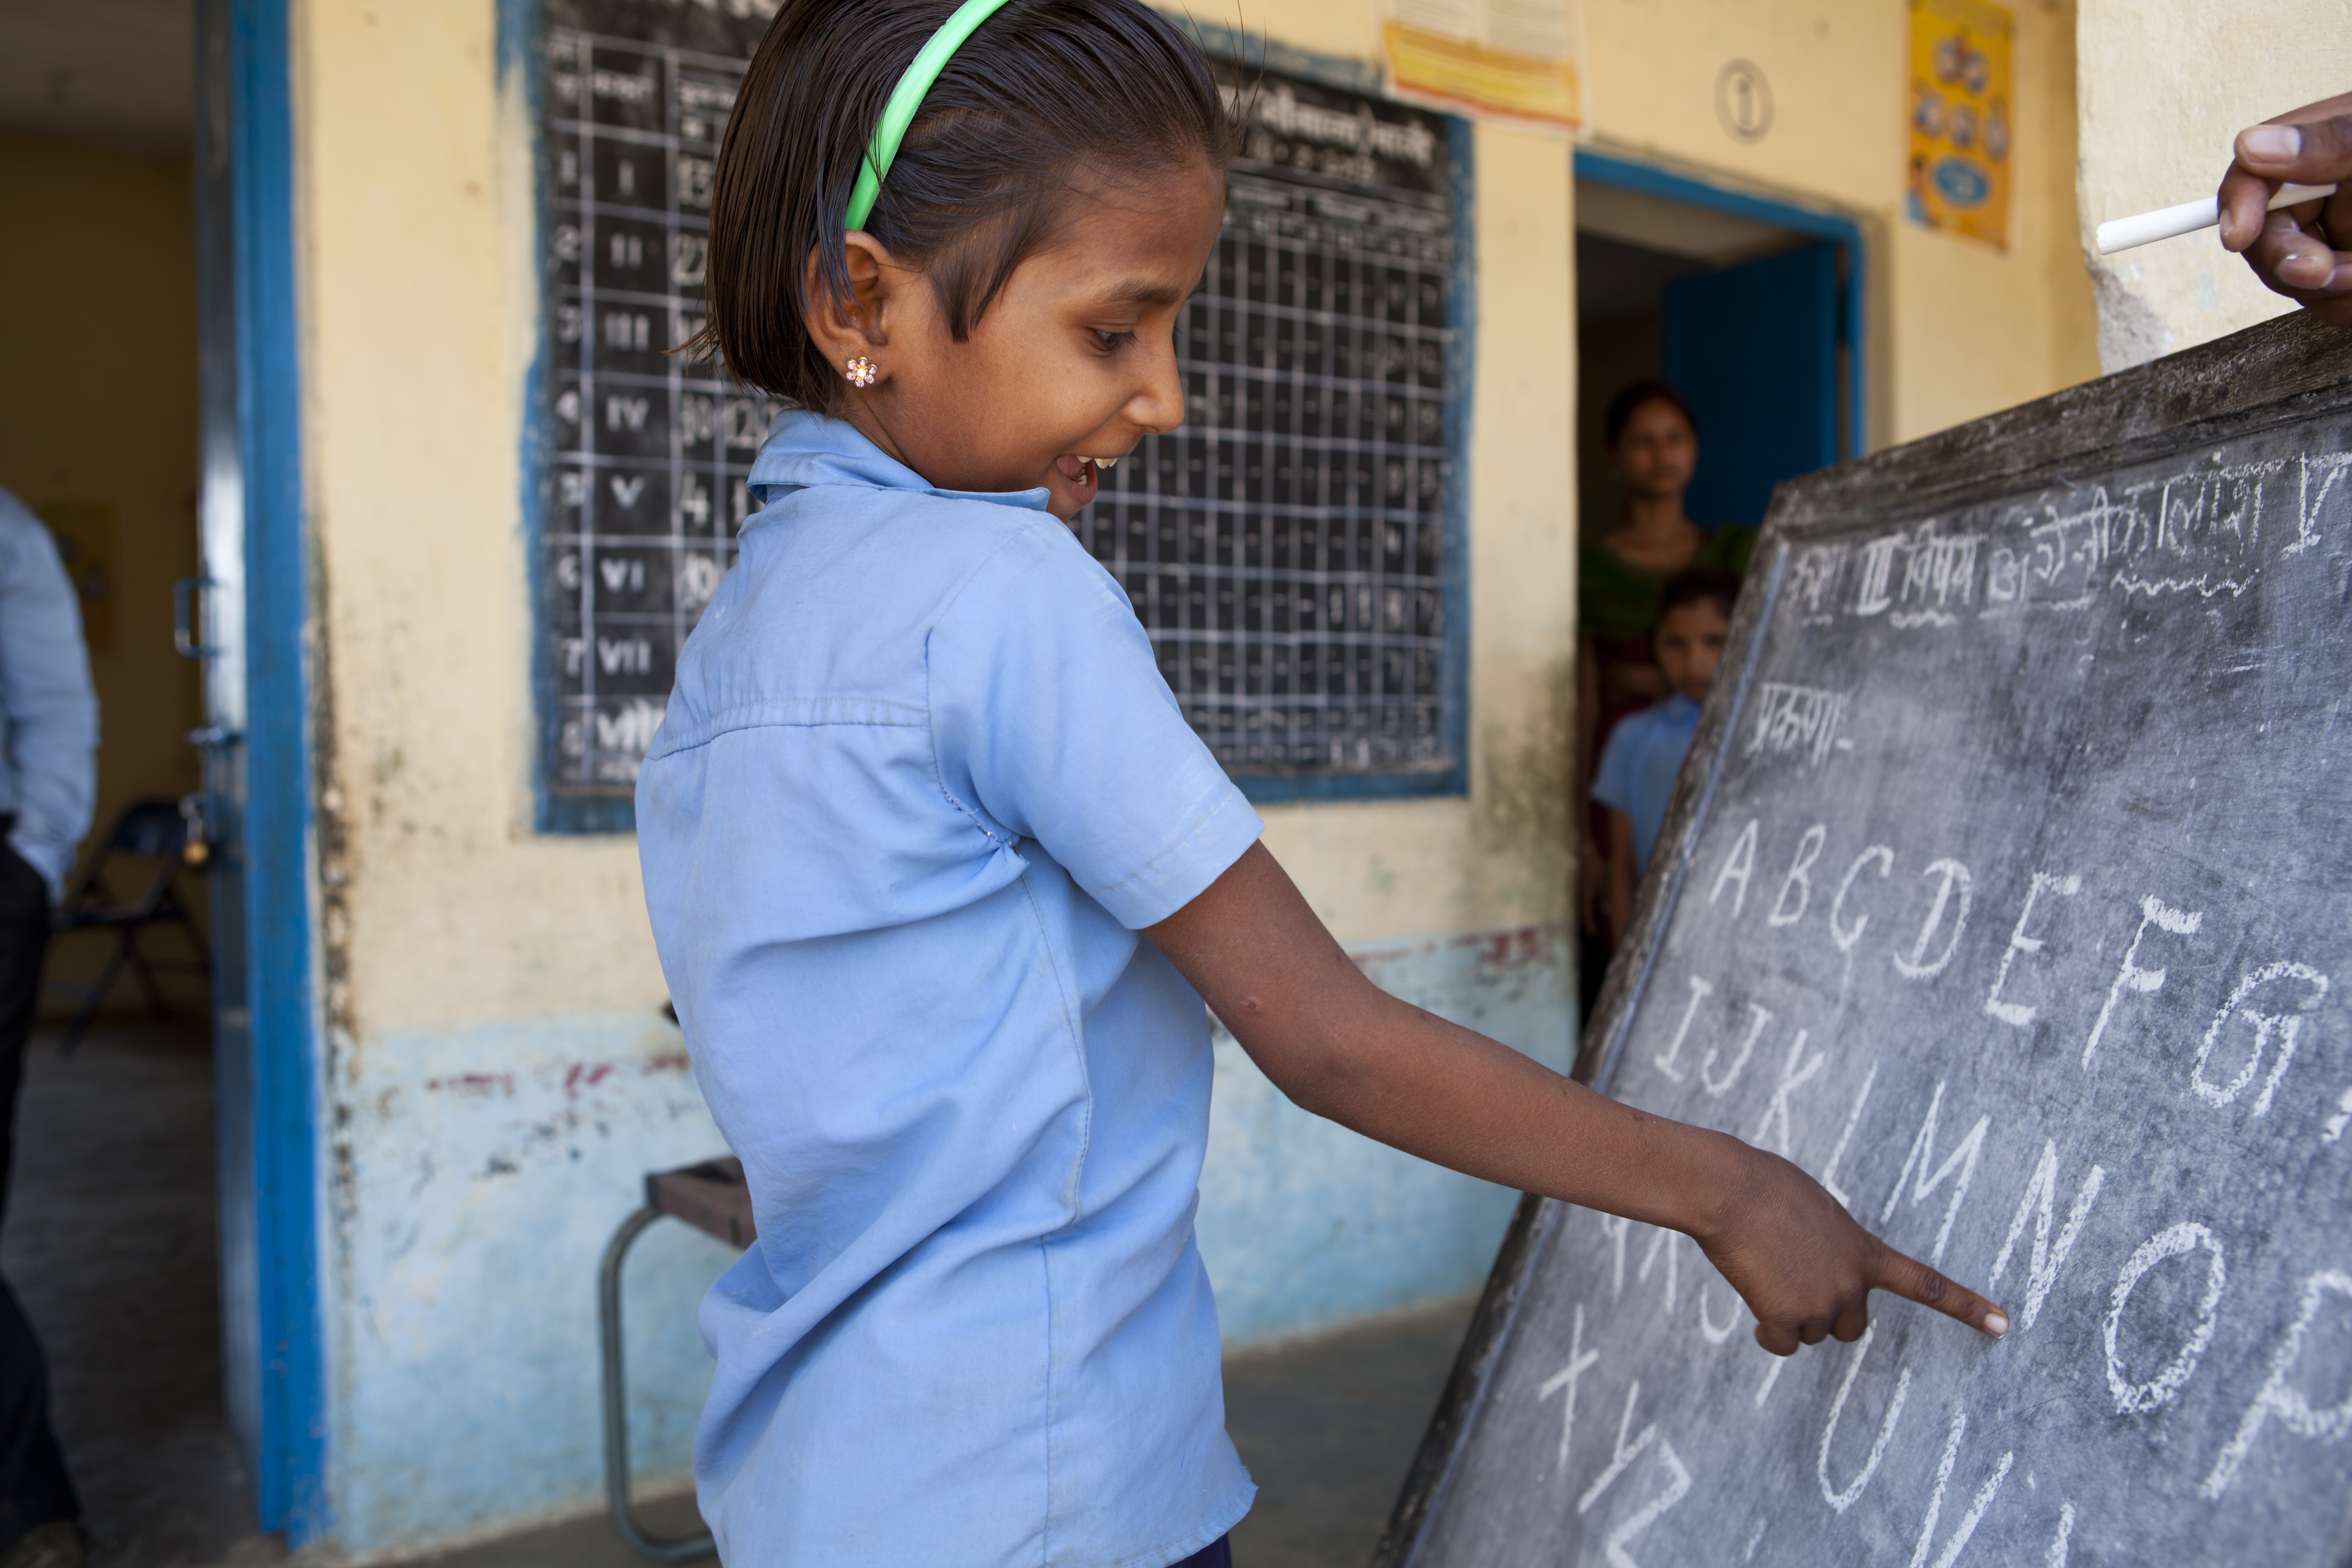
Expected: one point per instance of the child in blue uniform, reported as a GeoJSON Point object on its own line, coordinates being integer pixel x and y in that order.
{"type": "Point", "coordinates": [1635, 779]}
{"type": "Point", "coordinates": [941, 877]}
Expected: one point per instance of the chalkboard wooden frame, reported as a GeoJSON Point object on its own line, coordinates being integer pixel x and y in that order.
{"type": "Point", "coordinates": [2284, 372]}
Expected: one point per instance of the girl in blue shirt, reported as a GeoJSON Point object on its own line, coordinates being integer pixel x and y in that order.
{"type": "Point", "coordinates": [941, 877]}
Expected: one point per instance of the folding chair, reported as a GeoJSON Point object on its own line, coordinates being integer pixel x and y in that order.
{"type": "Point", "coordinates": [711, 1197]}
{"type": "Point", "coordinates": [163, 831]}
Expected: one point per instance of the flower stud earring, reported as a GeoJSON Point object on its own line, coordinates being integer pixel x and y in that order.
{"type": "Point", "coordinates": [861, 371]}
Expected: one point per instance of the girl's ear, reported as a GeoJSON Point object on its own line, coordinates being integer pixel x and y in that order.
{"type": "Point", "coordinates": [845, 327]}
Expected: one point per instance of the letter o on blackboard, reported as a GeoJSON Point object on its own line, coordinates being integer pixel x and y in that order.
{"type": "Point", "coordinates": [1743, 101]}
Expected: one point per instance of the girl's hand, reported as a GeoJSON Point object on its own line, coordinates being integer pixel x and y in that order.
{"type": "Point", "coordinates": [1806, 1269]}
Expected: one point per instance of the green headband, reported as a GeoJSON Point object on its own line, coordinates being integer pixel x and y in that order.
{"type": "Point", "coordinates": [906, 98]}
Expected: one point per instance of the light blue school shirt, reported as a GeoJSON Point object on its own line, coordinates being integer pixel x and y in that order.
{"type": "Point", "coordinates": [919, 786]}
{"type": "Point", "coordinates": [1638, 767]}
{"type": "Point", "coordinates": [48, 711]}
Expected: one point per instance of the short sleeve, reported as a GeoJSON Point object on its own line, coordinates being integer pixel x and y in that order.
{"type": "Point", "coordinates": [1052, 722]}
{"type": "Point", "coordinates": [1613, 783]}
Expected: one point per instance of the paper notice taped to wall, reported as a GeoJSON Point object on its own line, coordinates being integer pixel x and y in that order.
{"type": "Point", "coordinates": [1519, 58]}
{"type": "Point", "coordinates": [1961, 119]}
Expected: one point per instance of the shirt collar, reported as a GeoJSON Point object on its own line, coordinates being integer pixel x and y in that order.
{"type": "Point", "coordinates": [807, 449]}
{"type": "Point", "coordinates": [1680, 709]}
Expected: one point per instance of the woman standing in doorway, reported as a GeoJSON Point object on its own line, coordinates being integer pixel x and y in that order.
{"type": "Point", "coordinates": [1651, 439]}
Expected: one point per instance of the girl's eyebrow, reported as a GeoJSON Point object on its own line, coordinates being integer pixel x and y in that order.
{"type": "Point", "coordinates": [1137, 292]}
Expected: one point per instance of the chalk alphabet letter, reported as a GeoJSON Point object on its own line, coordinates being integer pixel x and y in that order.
{"type": "Point", "coordinates": [1799, 877]}
{"type": "Point", "coordinates": [2154, 912]}
{"type": "Point", "coordinates": [2138, 1398]}
{"type": "Point", "coordinates": [1852, 1119]}
{"type": "Point", "coordinates": [1795, 1073]}
{"type": "Point", "coordinates": [2016, 1014]}
{"type": "Point", "coordinates": [1579, 1362]}
{"type": "Point", "coordinates": [1962, 1159]}
{"type": "Point", "coordinates": [1844, 935]}
{"type": "Point", "coordinates": [1852, 1494]}
{"type": "Point", "coordinates": [2042, 1271]}
{"type": "Point", "coordinates": [1969, 1520]}
{"type": "Point", "coordinates": [1699, 991]}
{"type": "Point", "coordinates": [1737, 866]}
{"type": "Point", "coordinates": [2286, 1026]}
{"type": "Point", "coordinates": [1757, 1018]}
{"type": "Point", "coordinates": [1955, 877]}
{"type": "Point", "coordinates": [1678, 1483]}
{"type": "Point", "coordinates": [2291, 1405]}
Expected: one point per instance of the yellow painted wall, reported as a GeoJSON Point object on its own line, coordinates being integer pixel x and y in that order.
{"type": "Point", "coordinates": [2166, 85]}
{"type": "Point", "coordinates": [1957, 329]}
{"type": "Point", "coordinates": [98, 404]}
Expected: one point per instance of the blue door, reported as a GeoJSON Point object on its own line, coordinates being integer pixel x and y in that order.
{"type": "Point", "coordinates": [1754, 348]}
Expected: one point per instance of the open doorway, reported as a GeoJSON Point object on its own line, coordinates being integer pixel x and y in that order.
{"type": "Point", "coordinates": [110, 1238]}
{"type": "Point", "coordinates": [1750, 309]}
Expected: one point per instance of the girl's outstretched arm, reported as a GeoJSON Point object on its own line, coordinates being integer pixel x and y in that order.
{"type": "Point", "coordinates": [1340, 1047]}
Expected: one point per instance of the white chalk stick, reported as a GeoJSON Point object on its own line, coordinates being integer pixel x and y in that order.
{"type": "Point", "coordinates": [2165, 223]}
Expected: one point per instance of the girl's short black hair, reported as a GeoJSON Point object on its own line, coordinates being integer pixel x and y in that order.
{"type": "Point", "coordinates": [1628, 399]}
{"type": "Point", "coordinates": [1698, 585]}
{"type": "Point", "coordinates": [1046, 98]}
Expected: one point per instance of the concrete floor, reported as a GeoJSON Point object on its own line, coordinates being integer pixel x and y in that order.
{"type": "Point", "coordinates": [109, 1242]}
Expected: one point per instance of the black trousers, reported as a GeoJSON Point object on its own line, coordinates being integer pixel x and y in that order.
{"type": "Point", "coordinates": [34, 1485]}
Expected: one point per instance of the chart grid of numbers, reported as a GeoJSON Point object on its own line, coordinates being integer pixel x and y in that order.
{"type": "Point", "coordinates": [650, 451]}
{"type": "Point", "coordinates": [1287, 549]}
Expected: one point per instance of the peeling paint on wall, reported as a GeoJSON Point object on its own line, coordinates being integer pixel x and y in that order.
{"type": "Point", "coordinates": [485, 1169]}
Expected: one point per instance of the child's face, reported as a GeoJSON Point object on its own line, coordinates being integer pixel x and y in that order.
{"type": "Point", "coordinates": [1690, 640]}
{"type": "Point", "coordinates": [1074, 359]}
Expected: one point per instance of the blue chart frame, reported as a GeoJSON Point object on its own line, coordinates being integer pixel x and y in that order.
{"type": "Point", "coordinates": [1603, 169]}
{"type": "Point", "coordinates": [243, 63]}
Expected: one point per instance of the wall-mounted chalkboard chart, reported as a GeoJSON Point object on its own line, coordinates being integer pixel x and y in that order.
{"type": "Point", "coordinates": [2008, 889]}
{"type": "Point", "coordinates": [648, 451]}
{"type": "Point", "coordinates": [1295, 551]}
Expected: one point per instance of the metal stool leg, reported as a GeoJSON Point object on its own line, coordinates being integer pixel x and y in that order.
{"type": "Point", "coordinates": [661, 1548]}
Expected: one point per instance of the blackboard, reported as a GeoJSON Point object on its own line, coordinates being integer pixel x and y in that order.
{"type": "Point", "coordinates": [2008, 889]}
{"type": "Point", "coordinates": [1296, 550]}
{"type": "Point", "coordinates": [647, 452]}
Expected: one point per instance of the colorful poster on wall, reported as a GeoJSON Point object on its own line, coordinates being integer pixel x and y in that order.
{"type": "Point", "coordinates": [1960, 125]}
{"type": "Point", "coordinates": [1522, 59]}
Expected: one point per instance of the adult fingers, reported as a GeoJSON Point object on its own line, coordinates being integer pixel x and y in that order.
{"type": "Point", "coordinates": [2314, 150]}
{"type": "Point", "coordinates": [2308, 146]}
{"type": "Point", "coordinates": [2293, 261]}
{"type": "Point", "coordinates": [1914, 1281]}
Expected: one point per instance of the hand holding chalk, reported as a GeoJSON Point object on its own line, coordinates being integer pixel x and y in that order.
{"type": "Point", "coordinates": [2303, 252]}
{"type": "Point", "coordinates": [2170, 223]}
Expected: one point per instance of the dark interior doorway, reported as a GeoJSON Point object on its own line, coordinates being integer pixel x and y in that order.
{"type": "Point", "coordinates": [1745, 309]}
{"type": "Point", "coordinates": [112, 1217]}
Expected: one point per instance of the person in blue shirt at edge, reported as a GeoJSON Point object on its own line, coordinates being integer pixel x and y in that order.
{"type": "Point", "coordinates": [48, 778]}
{"type": "Point", "coordinates": [1636, 776]}
{"type": "Point", "coordinates": [941, 877]}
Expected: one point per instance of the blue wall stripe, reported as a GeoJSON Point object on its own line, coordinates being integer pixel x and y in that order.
{"type": "Point", "coordinates": [1602, 169]}
{"type": "Point", "coordinates": [291, 1483]}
